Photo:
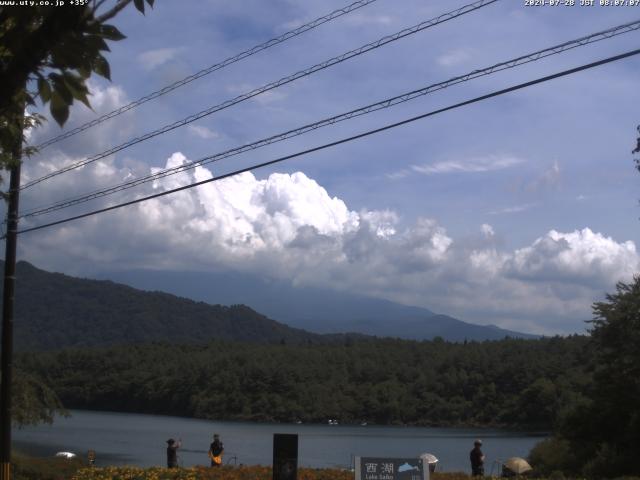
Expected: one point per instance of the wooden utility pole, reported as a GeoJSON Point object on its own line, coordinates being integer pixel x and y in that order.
{"type": "Point", "coordinates": [6, 367]}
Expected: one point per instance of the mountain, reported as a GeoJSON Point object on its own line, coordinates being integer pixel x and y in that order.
{"type": "Point", "coordinates": [53, 310]}
{"type": "Point", "coordinates": [313, 309]}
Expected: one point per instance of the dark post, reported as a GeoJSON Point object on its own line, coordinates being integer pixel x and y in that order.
{"type": "Point", "coordinates": [285, 456]}
{"type": "Point", "coordinates": [7, 315]}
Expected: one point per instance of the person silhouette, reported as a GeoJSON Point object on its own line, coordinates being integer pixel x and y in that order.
{"type": "Point", "coordinates": [477, 459]}
{"type": "Point", "coordinates": [216, 449]}
{"type": "Point", "coordinates": [172, 452]}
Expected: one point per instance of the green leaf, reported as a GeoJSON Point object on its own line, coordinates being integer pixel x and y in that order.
{"type": "Point", "coordinates": [150, 2]}
{"type": "Point", "coordinates": [85, 71]}
{"type": "Point", "coordinates": [111, 33]}
{"type": "Point", "coordinates": [77, 87]}
{"type": "Point", "coordinates": [44, 90]}
{"type": "Point", "coordinates": [59, 108]}
{"type": "Point", "coordinates": [101, 67]}
{"type": "Point", "coordinates": [96, 43]}
{"type": "Point", "coordinates": [60, 87]}
{"type": "Point", "coordinates": [68, 55]}
{"type": "Point", "coordinates": [139, 4]}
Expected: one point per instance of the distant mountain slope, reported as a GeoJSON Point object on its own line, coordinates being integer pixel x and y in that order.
{"type": "Point", "coordinates": [54, 310]}
{"type": "Point", "coordinates": [313, 309]}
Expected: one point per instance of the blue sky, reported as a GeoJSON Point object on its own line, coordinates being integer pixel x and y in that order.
{"type": "Point", "coordinates": [518, 211]}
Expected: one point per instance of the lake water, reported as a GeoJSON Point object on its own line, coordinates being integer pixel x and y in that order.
{"type": "Point", "coordinates": [134, 439]}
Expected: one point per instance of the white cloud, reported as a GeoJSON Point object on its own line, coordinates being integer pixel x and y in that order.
{"type": "Point", "coordinates": [398, 175]}
{"type": "Point", "coordinates": [469, 165]}
{"type": "Point", "coordinates": [454, 58]}
{"type": "Point", "coordinates": [513, 209]}
{"type": "Point", "coordinates": [487, 230]}
{"type": "Point", "coordinates": [549, 179]}
{"type": "Point", "coordinates": [362, 19]}
{"type": "Point", "coordinates": [264, 98]}
{"type": "Point", "coordinates": [94, 140]}
{"type": "Point", "coordinates": [289, 226]}
{"type": "Point", "coordinates": [202, 132]}
{"type": "Point", "coordinates": [152, 59]}
{"type": "Point", "coordinates": [580, 256]}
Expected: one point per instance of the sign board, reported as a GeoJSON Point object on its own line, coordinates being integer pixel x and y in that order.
{"type": "Point", "coordinates": [370, 468]}
{"type": "Point", "coordinates": [285, 456]}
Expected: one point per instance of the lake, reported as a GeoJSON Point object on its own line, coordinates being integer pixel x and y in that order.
{"type": "Point", "coordinates": [135, 439]}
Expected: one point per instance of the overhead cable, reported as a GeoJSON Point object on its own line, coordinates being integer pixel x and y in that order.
{"type": "Point", "coordinates": [206, 71]}
{"type": "Point", "coordinates": [389, 102]}
{"type": "Point", "coordinates": [338, 142]}
{"type": "Point", "coordinates": [270, 86]}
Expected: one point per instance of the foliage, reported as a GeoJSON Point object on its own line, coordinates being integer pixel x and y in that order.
{"type": "Point", "coordinates": [203, 473]}
{"type": "Point", "coordinates": [602, 430]}
{"type": "Point", "coordinates": [554, 456]}
{"type": "Point", "coordinates": [54, 51]}
{"type": "Point", "coordinates": [504, 383]}
{"type": "Point", "coordinates": [80, 312]}
{"type": "Point", "coordinates": [31, 468]}
{"type": "Point", "coordinates": [229, 473]}
{"type": "Point", "coordinates": [33, 401]}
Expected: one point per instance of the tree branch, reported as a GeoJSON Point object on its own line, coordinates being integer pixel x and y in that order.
{"type": "Point", "coordinates": [109, 14]}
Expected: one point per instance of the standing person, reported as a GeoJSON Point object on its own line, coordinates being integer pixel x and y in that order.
{"type": "Point", "coordinates": [216, 449]}
{"type": "Point", "coordinates": [172, 452]}
{"type": "Point", "coordinates": [477, 459]}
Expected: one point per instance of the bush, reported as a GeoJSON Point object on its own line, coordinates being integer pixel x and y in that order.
{"type": "Point", "coordinates": [554, 457]}
{"type": "Point", "coordinates": [31, 468]}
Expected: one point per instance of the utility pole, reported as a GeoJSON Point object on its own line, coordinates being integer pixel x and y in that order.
{"type": "Point", "coordinates": [6, 367]}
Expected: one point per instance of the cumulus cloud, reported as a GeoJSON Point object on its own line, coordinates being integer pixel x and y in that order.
{"type": "Point", "coordinates": [289, 226]}
{"type": "Point", "coordinates": [103, 100]}
{"type": "Point", "coordinates": [578, 256]}
{"type": "Point", "coordinates": [152, 59]}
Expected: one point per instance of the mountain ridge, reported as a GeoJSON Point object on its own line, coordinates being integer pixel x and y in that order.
{"type": "Point", "coordinates": [54, 310]}
{"type": "Point", "coordinates": [314, 309]}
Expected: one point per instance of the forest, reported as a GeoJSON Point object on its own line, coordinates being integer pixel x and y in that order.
{"type": "Point", "coordinates": [513, 382]}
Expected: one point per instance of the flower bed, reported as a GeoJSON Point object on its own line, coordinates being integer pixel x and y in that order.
{"type": "Point", "coordinates": [202, 473]}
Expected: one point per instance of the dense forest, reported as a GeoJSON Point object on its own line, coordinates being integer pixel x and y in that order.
{"type": "Point", "coordinates": [522, 383]}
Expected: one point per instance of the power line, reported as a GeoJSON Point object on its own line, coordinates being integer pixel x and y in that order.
{"type": "Point", "coordinates": [270, 86]}
{"type": "Point", "coordinates": [389, 102]}
{"type": "Point", "coordinates": [341, 141]}
{"type": "Point", "coordinates": [206, 71]}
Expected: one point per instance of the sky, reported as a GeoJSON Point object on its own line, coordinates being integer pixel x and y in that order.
{"type": "Point", "coordinates": [519, 211]}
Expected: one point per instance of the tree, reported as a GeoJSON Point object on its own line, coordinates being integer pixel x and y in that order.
{"type": "Point", "coordinates": [54, 50]}
{"type": "Point", "coordinates": [34, 401]}
{"type": "Point", "coordinates": [602, 431]}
